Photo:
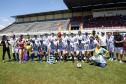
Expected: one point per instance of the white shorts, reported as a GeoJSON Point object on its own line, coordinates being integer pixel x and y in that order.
{"type": "Point", "coordinates": [77, 52]}
{"type": "Point", "coordinates": [14, 50]}
{"type": "Point", "coordinates": [119, 50]}
{"type": "Point", "coordinates": [59, 50]}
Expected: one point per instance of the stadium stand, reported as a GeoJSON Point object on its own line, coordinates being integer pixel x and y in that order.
{"type": "Point", "coordinates": [110, 21]}
{"type": "Point", "coordinates": [35, 26]}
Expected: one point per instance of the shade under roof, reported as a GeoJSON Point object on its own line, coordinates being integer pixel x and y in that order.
{"type": "Point", "coordinates": [79, 3]}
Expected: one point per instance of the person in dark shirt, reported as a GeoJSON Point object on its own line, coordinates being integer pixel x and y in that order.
{"type": "Point", "coordinates": [5, 44]}
{"type": "Point", "coordinates": [118, 43]}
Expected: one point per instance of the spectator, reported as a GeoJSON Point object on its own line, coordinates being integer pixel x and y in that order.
{"type": "Point", "coordinates": [5, 48]}
{"type": "Point", "coordinates": [118, 43]}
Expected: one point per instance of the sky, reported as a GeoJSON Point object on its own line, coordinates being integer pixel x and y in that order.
{"type": "Point", "coordinates": [10, 8]}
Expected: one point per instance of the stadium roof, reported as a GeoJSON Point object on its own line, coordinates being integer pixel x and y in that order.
{"type": "Point", "coordinates": [43, 13]}
{"type": "Point", "coordinates": [87, 3]}
{"type": "Point", "coordinates": [79, 5]}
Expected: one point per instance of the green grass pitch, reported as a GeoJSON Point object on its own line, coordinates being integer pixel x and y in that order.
{"type": "Point", "coordinates": [61, 73]}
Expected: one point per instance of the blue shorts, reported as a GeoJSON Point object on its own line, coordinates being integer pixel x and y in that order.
{"type": "Point", "coordinates": [110, 48]}
{"type": "Point", "coordinates": [119, 50]}
{"type": "Point", "coordinates": [80, 50]}
{"type": "Point", "coordinates": [61, 49]}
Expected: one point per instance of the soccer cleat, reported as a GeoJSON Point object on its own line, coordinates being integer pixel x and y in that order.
{"type": "Point", "coordinates": [116, 60]}
{"type": "Point", "coordinates": [121, 61]}
{"type": "Point", "coordinates": [112, 59]}
{"type": "Point", "coordinates": [40, 61]}
{"type": "Point", "coordinates": [56, 61]}
{"type": "Point", "coordinates": [3, 61]}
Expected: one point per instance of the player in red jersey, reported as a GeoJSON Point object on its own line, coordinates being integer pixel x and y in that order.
{"type": "Point", "coordinates": [21, 47]}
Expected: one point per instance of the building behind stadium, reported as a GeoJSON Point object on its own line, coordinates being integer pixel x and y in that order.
{"type": "Point", "coordinates": [85, 15]}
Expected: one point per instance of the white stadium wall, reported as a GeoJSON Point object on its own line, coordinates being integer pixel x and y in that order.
{"type": "Point", "coordinates": [19, 19]}
{"type": "Point", "coordinates": [41, 18]}
{"type": "Point", "coordinates": [109, 13]}
{"type": "Point", "coordinates": [26, 19]}
{"type": "Point", "coordinates": [67, 15]}
{"type": "Point", "coordinates": [34, 18]}
{"type": "Point", "coordinates": [56, 16]}
{"type": "Point", "coordinates": [52, 16]}
{"type": "Point", "coordinates": [49, 17]}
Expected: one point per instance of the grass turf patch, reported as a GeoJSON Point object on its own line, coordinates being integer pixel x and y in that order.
{"type": "Point", "coordinates": [61, 73]}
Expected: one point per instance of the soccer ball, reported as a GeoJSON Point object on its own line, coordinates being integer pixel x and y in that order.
{"type": "Point", "coordinates": [79, 65]}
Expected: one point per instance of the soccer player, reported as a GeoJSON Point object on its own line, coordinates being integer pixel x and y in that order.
{"type": "Point", "coordinates": [13, 42]}
{"type": "Point", "coordinates": [124, 45]}
{"type": "Point", "coordinates": [80, 50]}
{"type": "Point", "coordinates": [68, 51]}
{"type": "Point", "coordinates": [118, 43]}
{"type": "Point", "coordinates": [103, 40]}
{"type": "Point", "coordinates": [35, 49]}
{"type": "Point", "coordinates": [21, 46]}
{"type": "Point", "coordinates": [61, 48]}
{"type": "Point", "coordinates": [46, 40]}
{"type": "Point", "coordinates": [65, 37]}
{"type": "Point", "coordinates": [52, 50]}
{"type": "Point", "coordinates": [36, 40]}
{"type": "Point", "coordinates": [79, 36]}
{"type": "Point", "coordinates": [43, 49]}
{"type": "Point", "coordinates": [73, 41]}
{"type": "Point", "coordinates": [28, 46]}
{"type": "Point", "coordinates": [91, 46]}
{"type": "Point", "coordinates": [52, 37]}
{"type": "Point", "coordinates": [99, 56]}
{"type": "Point", "coordinates": [86, 41]}
{"type": "Point", "coordinates": [110, 45]}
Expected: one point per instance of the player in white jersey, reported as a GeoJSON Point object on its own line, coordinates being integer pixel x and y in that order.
{"type": "Point", "coordinates": [92, 45]}
{"type": "Point", "coordinates": [79, 36]}
{"type": "Point", "coordinates": [46, 43]}
{"type": "Point", "coordinates": [103, 40]}
{"type": "Point", "coordinates": [52, 50]}
{"type": "Point", "coordinates": [61, 49]}
{"type": "Point", "coordinates": [13, 42]}
{"type": "Point", "coordinates": [110, 45]}
{"type": "Point", "coordinates": [65, 37]}
{"type": "Point", "coordinates": [36, 40]}
{"type": "Point", "coordinates": [41, 38]}
{"type": "Point", "coordinates": [43, 49]}
{"type": "Point", "coordinates": [35, 47]}
{"type": "Point", "coordinates": [86, 42]}
{"type": "Point", "coordinates": [52, 37]}
{"type": "Point", "coordinates": [80, 50]}
{"type": "Point", "coordinates": [73, 41]}
{"type": "Point", "coordinates": [46, 39]}
{"type": "Point", "coordinates": [68, 50]}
